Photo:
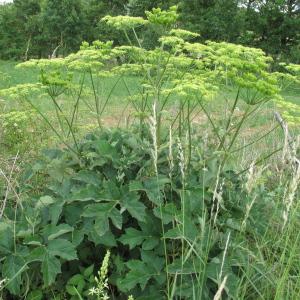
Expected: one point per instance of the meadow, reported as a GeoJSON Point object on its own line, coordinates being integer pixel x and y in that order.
{"type": "Point", "coordinates": [117, 113]}
{"type": "Point", "coordinates": [136, 173]}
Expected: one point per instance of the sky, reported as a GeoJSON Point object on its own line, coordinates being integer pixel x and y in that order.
{"type": "Point", "coordinates": [5, 1]}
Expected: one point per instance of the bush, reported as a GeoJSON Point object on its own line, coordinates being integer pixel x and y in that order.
{"type": "Point", "coordinates": [21, 131]}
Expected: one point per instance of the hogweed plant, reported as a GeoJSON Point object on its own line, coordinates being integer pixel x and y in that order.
{"type": "Point", "coordinates": [179, 221]}
{"type": "Point", "coordinates": [176, 69]}
{"type": "Point", "coordinates": [177, 75]}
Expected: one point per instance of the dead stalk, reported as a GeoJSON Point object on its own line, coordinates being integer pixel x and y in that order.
{"type": "Point", "coordinates": [9, 184]}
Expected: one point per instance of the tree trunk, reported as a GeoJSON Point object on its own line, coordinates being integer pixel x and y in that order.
{"type": "Point", "coordinates": [27, 48]}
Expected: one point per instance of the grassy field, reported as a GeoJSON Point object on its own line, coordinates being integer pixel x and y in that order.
{"type": "Point", "coordinates": [117, 112]}
{"type": "Point", "coordinates": [11, 76]}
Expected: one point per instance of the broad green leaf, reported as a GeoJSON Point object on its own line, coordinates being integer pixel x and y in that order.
{"type": "Point", "coordinates": [101, 225]}
{"type": "Point", "coordinates": [191, 231]}
{"type": "Point", "coordinates": [132, 237]}
{"type": "Point", "coordinates": [152, 292]}
{"type": "Point", "coordinates": [110, 191]}
{"type": "Point", "coordinates": [213, 272]}
{"type": "Point", "coordinates": [12, 269]}
{"type": "Point", "coordinates": [140, 273]}
{"type": "Point", "coordinates": [166, 213]}
{"type": "Point", "coordinates": [119, 264]}
{"type": "Point", "coordinates": [154, 187]}
{"type": "Point", "coordinates": [50, 268]}
{"type": "Point", "coordinates": [98, 210]}
{"type": "Point", "coordinates": [57, 169]}
{"type": "Point", "coordinates": [62, 248]}
{"type": "Point", "coordinates": [233, 224]}
{"type": "Point", "coordinates": [105, 149]}
{"type": "Point", "coordinates": [6, 238]}
{"type": "Point", "coordinates": [116, 218]}
{"type": "Point", "coordinates": [190, 266]}
{"type": "Point", "coordinates": [173, 233]}
{"type": "Point", "coordinates": [90, 192]}
{"type": "Point", "coordinates": [89, 177]}
{"type": "Point", "coordinates": [24, 233]}
{"type": "Point", "coordinates": [55, 211]}
{"type": "Point", "coordinates": [135, 207]}
{"type": "Point", "coordinates": [44, 202]}
{"type": "Point", "coordinates": [150, 243]}
{"type": "Point", "coordinates": [35, 295]}
{"type": "Point", "coordinates": [77, 236]}
{"type": "Point", "coordinates": [151, 229]}
{"type": "Point", "coordinates": [136, 186]}
{"type": "Point", "coordinates": [35, 240]}
{"type": "Point", "coordinates": [149, 235]}
{"type": "Point", "coordinates": [51, 232]}
{"type": "Point", "coordinates": [61, 188]}
{"type": "Point", "coordinates": [194, 200]}
{"type": "Point", "coordinates": [88, 271]}
{"type": "Point", "coordinates": [88, 225]}
{"type": "Point", "coordinates": [151, 258]}
{"type": "Point", "coordinates": [108, 239]}
{"type": "Point", "coordinates": [75, 285]}
{"type": "Point", "coordinates": [37, 254]}
{"type": "Point", "coordinates": [72, 212]}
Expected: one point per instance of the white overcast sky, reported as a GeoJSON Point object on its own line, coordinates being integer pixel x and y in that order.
{"type": "Point", "coordinates": [5, 1]}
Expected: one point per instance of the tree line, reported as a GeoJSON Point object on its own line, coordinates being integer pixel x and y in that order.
{"type": "Point", "coordinates": [44, 28]}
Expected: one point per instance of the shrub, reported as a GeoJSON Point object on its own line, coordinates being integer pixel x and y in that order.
{"type": "Point", "coordinates": [5, 79]}
{"type": "Point", "coordinates": [21, 130]}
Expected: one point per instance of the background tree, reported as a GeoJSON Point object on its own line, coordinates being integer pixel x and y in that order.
{"type": "Point", "coordinates": [95, 10]}
{"type": "Point", "coordinates": [20, 29]}
{"type": "Point", "coordinates": [39, 28]}
{"type": "Point", "coordinates": [28, 14]}
{"type": "Point", "coordinates": [63, 25]}
{"type": "Point", "coordinates": [219, 20]}
{"type": "Point", "coordinates": [276, 26]}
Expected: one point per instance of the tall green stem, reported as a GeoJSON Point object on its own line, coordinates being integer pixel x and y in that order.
{"type": "Point", "coordinates": [96, 100]}
{"type": "Point", "coordinates": [51, 126]}
{"type": "Point", "coordinates": [77, 103]}
{"type": "Point", "coordinates": [189, 133]}
{"type": "Point", "coordinates": [229, 120]}
{"type": "Point", "coordinates": [215, 130]}
{"type": "Point", "coordinates": [66, 119]}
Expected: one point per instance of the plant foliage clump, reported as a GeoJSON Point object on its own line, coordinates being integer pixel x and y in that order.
{"type": "Point", "coordinates": [112, 198]}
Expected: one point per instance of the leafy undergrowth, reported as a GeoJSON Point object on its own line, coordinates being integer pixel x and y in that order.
{"type": "Point", "coordinates": [172, 232]}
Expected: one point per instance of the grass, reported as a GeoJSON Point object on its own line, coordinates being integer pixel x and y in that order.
{"type": "Point", "coordinates": [15, 76]}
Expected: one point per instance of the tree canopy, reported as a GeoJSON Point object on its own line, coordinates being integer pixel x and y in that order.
{"type": "Point", "coordinates": [41, 28]}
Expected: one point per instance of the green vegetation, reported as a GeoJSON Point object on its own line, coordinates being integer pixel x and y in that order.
{"type": "Point", "coordinates": [156, 170]}
{"type": "Point", "coordinates": [42, 28]}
